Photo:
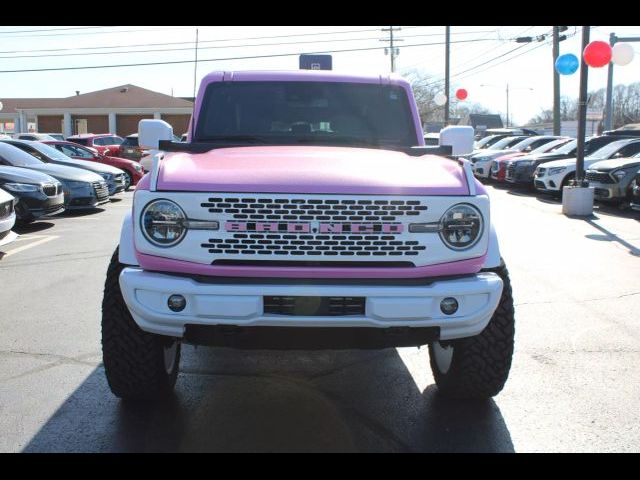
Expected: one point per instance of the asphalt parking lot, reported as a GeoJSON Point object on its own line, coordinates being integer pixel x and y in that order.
{"type": "Point", "coordinates": [574, 384]}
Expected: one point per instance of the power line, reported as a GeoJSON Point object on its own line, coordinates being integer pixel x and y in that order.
{"type": "Point", "coordinates": [91, 67]}
{"type": "Point", "coordinates": [51, 30]}
{"type": "Point", "coordinates": [30, 35]}
{"type": "Point", "coordinates": [208, 48]}
{"type": "Point", "coordinates": [190, 42]}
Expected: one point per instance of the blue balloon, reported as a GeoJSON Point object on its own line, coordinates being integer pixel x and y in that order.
{"type": "Point", "coordinates": [567, 64]}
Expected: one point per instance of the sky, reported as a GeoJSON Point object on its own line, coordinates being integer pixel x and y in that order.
{"type": "Point", "coordinates": [484, 59]}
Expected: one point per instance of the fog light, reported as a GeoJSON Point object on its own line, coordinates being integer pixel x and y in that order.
{"type": "Point", "coordinates": [449, 306]}
{"type": "Point", "coordinates": [176, 303]}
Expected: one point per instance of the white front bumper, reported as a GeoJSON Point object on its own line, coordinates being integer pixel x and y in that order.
{"type": "Point", "coordinates": [7, 224]}
{"type": "Point", "coordinates": [482, 169]}
{"type": "Point", "coordinates": [146, 294]}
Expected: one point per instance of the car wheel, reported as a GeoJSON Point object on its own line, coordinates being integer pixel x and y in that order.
{"type": "Point", "coordinates": [477, 367]}
{"type": "Point", "coordinates": [138, 365]}
{"type": "Point", "coordinates": [565, 182]}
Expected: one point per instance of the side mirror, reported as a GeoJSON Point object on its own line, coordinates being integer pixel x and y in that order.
{"type": "Point", "coordinates": [151, 132]}
{"type": "Point", "coordinates": [459, 138]}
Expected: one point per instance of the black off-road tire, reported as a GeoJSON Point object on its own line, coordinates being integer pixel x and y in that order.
{"type": "Point", "coordinates": [134, 360]}
{"type": "Point", "coordinates": [480, 365]}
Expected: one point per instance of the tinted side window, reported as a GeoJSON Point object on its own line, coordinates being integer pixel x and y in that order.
{"type": "Point", "coordinates": [99, 141]}
{"type": "Point", "coordinates": [80, 141]}
{"type": "Point", "coordinates": [628, 150]}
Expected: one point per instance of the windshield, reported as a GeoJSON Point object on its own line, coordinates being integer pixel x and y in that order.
{"type": "Point", "coordinates": [609, 149]}
{"type": "Point", "coordinates": [569, 148]}
{"type": "Point", "coordinates": [321, 113]}
{"type": "Point", "coordinates": [15, 157]}
{"type": "Point", "coordinates": [50, 152]}
{"type": "Point", "coordinates": [505, 143]}
{"type": "Point", "coordinates": [550, 147]}
{"type": "Point", "coordinates": [486, 141]}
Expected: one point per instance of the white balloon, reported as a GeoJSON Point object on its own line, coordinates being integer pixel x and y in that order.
{"type": "Point", "coordinates": [622, 54]}
{"type": "Point", "coordinates": [440, 99]}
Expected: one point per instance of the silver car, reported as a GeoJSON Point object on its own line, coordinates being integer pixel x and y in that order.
{"type": "Point", "coordinates": [82, 188]}
{"type": "Point", "coordinates": [115, 178]}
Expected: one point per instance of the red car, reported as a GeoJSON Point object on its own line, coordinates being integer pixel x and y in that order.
{"type": "Point", "coordinates": [132, 169]}
{"type": "Point", "coordinates": [499, 166]}
{"type": "Point", "coordinates": [100, 142]}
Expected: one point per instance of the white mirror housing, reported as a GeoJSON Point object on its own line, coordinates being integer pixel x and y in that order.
{"type": "Point", "coordinates": [150, 132]}
{"type": "Point", "coordinates": [459, 137]}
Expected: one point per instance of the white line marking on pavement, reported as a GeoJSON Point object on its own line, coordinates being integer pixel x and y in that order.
{"type": "Point", "coordinates": [47, 238]}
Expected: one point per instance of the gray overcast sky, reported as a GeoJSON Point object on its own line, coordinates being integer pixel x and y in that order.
{"type": "Point", "coordinates": [483, 58]}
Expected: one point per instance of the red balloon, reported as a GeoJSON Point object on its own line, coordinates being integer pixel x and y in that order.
{"type": "Point", "coordinates": [597, 54]}
{"type": "Point", "coordinates": [461, 94]}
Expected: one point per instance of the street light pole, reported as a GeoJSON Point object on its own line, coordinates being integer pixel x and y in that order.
{"type": "Point", "coordinates": [447, 33]}
{"type": "Point", "coordinates": [507, 105]}
{"type": "Point", "coordinates": [582, 111]}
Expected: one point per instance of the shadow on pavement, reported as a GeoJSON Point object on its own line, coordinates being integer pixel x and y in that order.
{"type": "Point", "coordinates": [254, 401]}
{"type": "Point", "coordinates": [80, 213]}
{"type": "Point", "coordinates": [34, 227]}
{"type": "Point", "coordinates": [608, 236]}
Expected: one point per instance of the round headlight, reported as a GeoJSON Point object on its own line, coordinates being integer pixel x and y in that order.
{"type": "Point", "coordinates": [461, 226]}
{"type": "Point", "coordinates": [163, 223]}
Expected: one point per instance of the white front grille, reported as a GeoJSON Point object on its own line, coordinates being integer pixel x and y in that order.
{"type": "Point", "coordinates": [310, 228]}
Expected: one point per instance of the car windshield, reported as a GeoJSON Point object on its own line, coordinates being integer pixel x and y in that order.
{"type": "Point", "coordinates": [131, 142]}
{"type": "Point", "coordinates": [487, 141]}
{"type": "Point", "coordinates": [568, 148]}
{"type": "Point", "coordinates": [51, 152]}
{"type": "Point", "coordinates": [550, 147]}
{"type": "Point", "coordinates": [609, 149]}
{"type": "Point", "coordinates": [321, 113]}
{"type": "Point", "coordinates": [16, 157]}
{"type": "Point", "coordinates": [505, 143]}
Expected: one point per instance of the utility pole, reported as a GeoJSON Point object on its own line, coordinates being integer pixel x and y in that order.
{"type": "Point", "coordinates": [556, 82]}
{"type": "Point", "coordinates": [608, 113]}
{"type": "Point", "coordinates": [393, 50]}
{"type": "Point", "coordinates": [507, 105]}
{"type": "Point", "coordinates": [447, 36]}
{"type": "Point", "coordinates": [582, 111]}
{"type": "Point", "coordinates": [195, 67]}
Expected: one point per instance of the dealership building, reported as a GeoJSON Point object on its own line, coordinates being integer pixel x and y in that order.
{"type": "Point", "coordinates": [114, 110]}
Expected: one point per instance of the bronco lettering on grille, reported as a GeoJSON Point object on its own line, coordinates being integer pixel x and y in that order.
{"type": "Point", "coordinates": [296, 227]}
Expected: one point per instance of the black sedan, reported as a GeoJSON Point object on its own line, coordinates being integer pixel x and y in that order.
{"type": "Point", "coordinates": [82, 189]}
{"type": "Point", "coordinates": [38, 194]}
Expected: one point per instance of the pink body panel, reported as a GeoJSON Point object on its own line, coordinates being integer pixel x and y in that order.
{"type": "Point", "coordinates": [160, 264]}
{"type": "Point", "coordinates": [311, 169]}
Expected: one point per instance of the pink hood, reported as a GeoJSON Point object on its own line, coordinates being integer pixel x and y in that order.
{"type": "Point", "coordinates": [311, 169]}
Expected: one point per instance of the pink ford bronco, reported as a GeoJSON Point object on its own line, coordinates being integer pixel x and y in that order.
{"type": "Point", "coordinates": [305, 212]}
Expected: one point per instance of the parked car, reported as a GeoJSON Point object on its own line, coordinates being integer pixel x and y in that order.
{"type": "Point", "coordinates": [635, 192]}
{"type": "Point", "coordinates": [100, 142]}
{"type": "Point", "coordinates": [521, 170]}
{"type": "Point", "coordinates": [552, 176]}
{"type": "Point", "coordinates": [184, 137]}
{"type": "Point", "coordinates": [33, 136]}
{"type": "Point", "coordinates": [7, 218]}
{"type": "Point", "coordinates": [37, 194]}
{"type": "Point", "coordinates": [611, 179]}
{"type": "Point", "coordinates": [114, 177]}
{"type": "Point", "coordinates": [130, 148]}
{"type": "Point", "coordinates": [133, 170]}
{"type": "Point", "coordinates": [82, 188]}
{"type": "Point", "coordinates": [486, 142]}
{"type": "Point", "coordinates": [499, 165]}
{"type": "Point", "coordinates": [482, 162]}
